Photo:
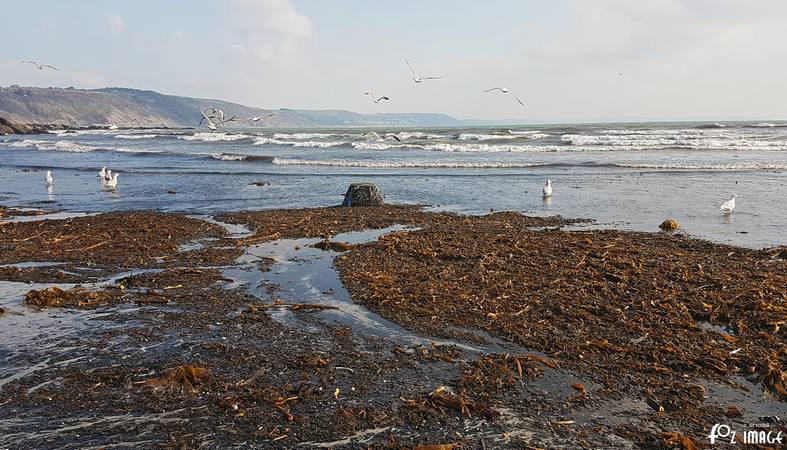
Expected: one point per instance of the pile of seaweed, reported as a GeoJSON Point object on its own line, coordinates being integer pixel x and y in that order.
{"type": "Point", "coordinates": [649, 312]}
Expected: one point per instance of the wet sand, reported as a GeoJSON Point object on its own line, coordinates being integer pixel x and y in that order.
{"type": "Point", "coordinates": [380, 327]}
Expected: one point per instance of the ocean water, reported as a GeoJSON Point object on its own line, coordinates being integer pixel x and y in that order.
{"type": "Point", "coordinates": [626, 176]}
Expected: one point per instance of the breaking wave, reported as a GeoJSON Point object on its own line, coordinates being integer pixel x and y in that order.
{"type": "Point", "coordinates": [136, 136]}
{"type": "Point", "coordinates": [237, 157]}
{"type": "Point", "coordinates": [402, 164]}
{"type": "Point", "coordinates": [214, 137]}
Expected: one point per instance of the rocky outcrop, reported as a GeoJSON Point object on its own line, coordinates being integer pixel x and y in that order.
{"type": "Point", "coordinates": [362, 194]}
{"type": "Point", "coordinates": [7, 127]}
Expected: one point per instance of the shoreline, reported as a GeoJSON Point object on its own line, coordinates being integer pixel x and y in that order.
{"type": "Point", "coordinates": [240, 330]}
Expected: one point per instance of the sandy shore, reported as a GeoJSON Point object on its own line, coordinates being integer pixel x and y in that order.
{"type": "Point", "coordinates": [381, 327]}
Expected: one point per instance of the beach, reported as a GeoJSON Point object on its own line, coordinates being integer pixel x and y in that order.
{"type": "Point", "coordinates": [380, 327]}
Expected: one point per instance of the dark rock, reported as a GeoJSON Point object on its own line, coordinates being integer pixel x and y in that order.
{"type": "Point", "coordinates": [7, 127]}
{"type": "Point", "coordinates": [363, 194]}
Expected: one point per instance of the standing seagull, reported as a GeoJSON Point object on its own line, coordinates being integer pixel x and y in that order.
{"type": "Point", "coordinates": [374, 97]}
{"type": "Point", "coordinates": [40, 66]}
{"type": "Point", "coordinates": [547, 191]}
{"type": "Point", "coordinates": [49, 179]}
{"type": "Point", "coordinates": [505, 91]}
{"type": "Point", "coordinates": [112, 184]}
{"type": "Point", "coordinates": [416, 77]}
{"type": "Point", "coordinates": [729, 205]}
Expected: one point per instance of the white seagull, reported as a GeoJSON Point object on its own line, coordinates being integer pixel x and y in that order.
{"type": "Point", "coordinates": [40, 66]}
{"type": "Point", "coordinates": [547, 191]}
{"type": "Point", "coordinates": [108, 175]}
{"type": "Point", "coordinates": [49, 179]}
{"type": "Point", "coordinates": [258, 118]}
{"type": "Point", "coordinates": [205, 117]}
{"type": "Point", "coordinates": [505, 91]}
{"type": "Point", "coordinates": [416, 77]}
{"type": "Point", "coordinates": [103, 172]}
{"type": "Point", "coordinates": [375, 98]}
{"type": "Point", "coordinates": [112, 184]}
{"type": "Point", "coordinates": [729, 205]}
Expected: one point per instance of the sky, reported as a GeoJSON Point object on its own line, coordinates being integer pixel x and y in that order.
{"type": "Point", "coordinates": [680, 59]}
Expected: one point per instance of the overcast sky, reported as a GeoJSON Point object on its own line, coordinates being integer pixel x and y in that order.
{"type": "Point", "coordinates": [681, 59]}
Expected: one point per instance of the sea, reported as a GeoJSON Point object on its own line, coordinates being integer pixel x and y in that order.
{"type": "Point", "coordinates": [628, 176]}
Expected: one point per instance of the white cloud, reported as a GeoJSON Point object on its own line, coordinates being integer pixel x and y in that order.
{"type": "Point", "coordinates": [269, 31]}
{"type": "Point", "coordinates": [116, 22]}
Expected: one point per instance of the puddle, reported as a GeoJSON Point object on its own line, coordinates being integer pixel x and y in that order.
{"type": "Point", "coordinates": [236, 231]}
{"type": "Point", "coordinates": [30, 265]}
{"type": "Point", "coordinates": [33, 339]}
{"type": "Point", "coordinates": [305, 274]}
{"type": "Point", "coordinates": [753, 405]}
{"type": "Point", "coordinates": [52, 216]}
{"type": "Point", "coordinates": [707, 326]}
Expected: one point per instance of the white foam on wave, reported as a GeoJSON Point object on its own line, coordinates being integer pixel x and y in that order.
{"type": "Point", "coordinates": [62, 146]}
{"type": "Point", "coordinates": [136, 136]}
{"type": "Point", "coordinates": [228, 157]}
{"type": "Point", "coordinates": [214, 137]}
{"type": "Point", "coordinates": [491, 148]}
{"type": "Point", "coordinates": [381, 145]}
{"type": "Point", "coordinates": [404, 164]}
{"type": "Point", "coordinates": [318, 144]}
{"type": "Point", "coordinates": [484, 137]}
{"type": "Point", "coordinates": [418, 135]}
{"type": "Point", "coordinates": [688, 141]}
{"type": "Point", "coordinates": [73, 147]}
{"type": "Point", "coordinates": [709, 166]}
{"type": "Point", "coordinates": [302, 135]}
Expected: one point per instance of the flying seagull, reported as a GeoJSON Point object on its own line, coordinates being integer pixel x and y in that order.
{"type": "Point", "coordinates": [505, 91]}
{"type": "Point", "coordinates": [416, 77]}
{"type": "Point", "coordinates": [49, 179]}
{"type": "Point", "coordinates": [103, 172]}
{"type": "Point", "coordinates": [547, 191]}
{"type": "Point", "coordinates": [258, 118]}
{"type": "Point", "coordinates": [205, 117]}
{"type": "Point", "coordinates": [729, 205]}
{"type": "Point", "coordinates": [108, 175]}
{"type": "Point", "coordinates": [40, 66]}
{"type": "Point", "coordinates": [620, 73]}
{"type": "Point", "coordinates": [374, 97]}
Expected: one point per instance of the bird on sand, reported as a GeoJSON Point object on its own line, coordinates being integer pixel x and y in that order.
{"type": "Point", "coordinates": [547, 191]}
{"type": "Point", "coordinates": [112, 183]}
{"type": "Point", "coordinates": [40, 66]}
{"type": "Point", "coordinates": [375, 98]}
{"type": "Point", "coordinates": [417, 78]}
{"type": "Point", "coordinates": [103, 172]}
{"type": "Point", "coordinates": [505, 91]}
{"type": "Point", "coordinates": [49, 179]}
{"type": "Point", "coordinates": [729, 205]}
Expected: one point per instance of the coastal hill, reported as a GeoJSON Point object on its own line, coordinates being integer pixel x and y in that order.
{"type": "Point", "coordinates": [126, 107]}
